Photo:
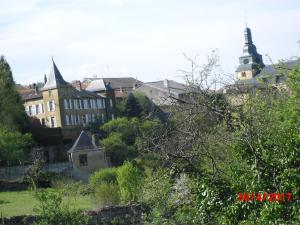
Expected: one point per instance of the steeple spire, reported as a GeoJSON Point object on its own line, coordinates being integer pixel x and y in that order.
{"type": "Point", "coordinates": [251, 61]}
{"type": "Point", "coordinates": [248, 36]}
{"type": "Point", "coordinates": [55, 79]}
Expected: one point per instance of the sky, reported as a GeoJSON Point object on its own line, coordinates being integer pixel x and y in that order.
{"type": "Point", "coordinates": [146, 39]}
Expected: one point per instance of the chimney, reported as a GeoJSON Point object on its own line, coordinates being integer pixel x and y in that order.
{"type": "Point", "coordinates": [35, 87]}
{"type": "Point", "coordinates": [79, 85]}
{"type": "Point", "coordinates": [45, 79]}
{"type": "Point", "coordinates": [166, 83]}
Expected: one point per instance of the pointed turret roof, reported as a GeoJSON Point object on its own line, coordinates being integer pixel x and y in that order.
{"type": "Point", "coordinates": [251, 59]}
{"type": "Point", "coordinates": [55, 79]}
{"type": "Point", "coordinates": [84, 142]}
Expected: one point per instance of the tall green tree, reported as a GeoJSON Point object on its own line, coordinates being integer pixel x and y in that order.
{"type": "Point", "coordinates": [132, 107]}
{"type": "Point", "coordinates": [12, 113]}
{"type": "Point", "coordinates": [13, 119]}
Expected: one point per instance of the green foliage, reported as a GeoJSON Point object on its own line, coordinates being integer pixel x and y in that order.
{"type": "Point", "coordinates": [107, 194]}
{"type": "Point", "coordinates": [12, 113]}
{"type": "Point", "coordinates": [13, 146]}
{"type": "Point", "coordinates": [104, 186]}
{"type": "Point", "coordinates": [129, 179]}
{"type": "Point", "coordinates": [132, 107]}
{"type": "Point", "coordinates": [53, 211]}
{"type": "Point", "coordinates": [103, 176]}
{"type": "Point", "coordinates": [117, 150]}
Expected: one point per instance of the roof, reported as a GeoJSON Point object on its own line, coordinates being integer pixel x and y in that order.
{"type": "Point", "coordinates": [271, 73]}
{"type": "Point", "coordinates": [97, 85]}
{"type": "Point", "coordinates": [84, 142]}
{"type": "Point", "coordinates": [55, 79]}
{"type": "Point", "coordinates": [168, 85]}
{"type": "Point", "coordinates": [28, 93]}
{"type": "Point", "coordinates": [114, 83]}
{"type": "Point", "coordinates": [124, 82]}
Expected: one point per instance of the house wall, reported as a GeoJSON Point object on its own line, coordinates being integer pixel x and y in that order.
{"type": "Point", "coordinates": [95, 161]}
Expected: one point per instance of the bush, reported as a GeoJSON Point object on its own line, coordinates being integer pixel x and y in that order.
{"type": "Point", "coordinates": [107, 194]}
{"type": "Point", "coordinates": [129, 180]}
{"type": "Point", "coordinates": [52, 211]}
{"type": "Point", "coordinates": [104, 176]}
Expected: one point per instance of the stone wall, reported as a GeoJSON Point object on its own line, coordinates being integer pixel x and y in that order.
{"type": "Point", "coordinates": [113, 215]}
{"type": "Point", "coordinates": [12, 185]}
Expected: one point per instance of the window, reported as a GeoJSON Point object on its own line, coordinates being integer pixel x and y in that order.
{"type": "Point", "coordinates": [51, 106]}
{"type": "Point", "coordinates": [30, 110]}
{"type": "Point", "coordinates": [75, 104]}
{"type": "Point", "coordinates": [67, 120]}
{"type": "Point", "coordinates": [70, 103]}
{"type": "Point", "coordinates": [52, 122]}
{"type": "Point", "coordinates": [85, 104]}
{"type": "Point", "coordinates": [37, 109]}
{"type": "Point", "coordinates": [78, 119]}
{"type": "Point", "coordinates": [83, 119]}
{"type": "Point", "coordinates": [42, 108]}
{"type": "Point", "coordinates": [43, 122]}
{"type": "Point", "coordinates": [66, 104]}
{"type": "Point", "coordinates": [243, 74]}
{"type": "Point", "coordinates": [83, 160]}
{"type": "Point", "coordinates": [81, 104]}
{"type": "Point", "coordinates": [99, 103]}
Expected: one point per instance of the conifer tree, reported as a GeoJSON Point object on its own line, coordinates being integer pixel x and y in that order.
{"type": "Point", "coordinates": [12, 113]}
{"type": "Point", "coordinates": [132, 107]}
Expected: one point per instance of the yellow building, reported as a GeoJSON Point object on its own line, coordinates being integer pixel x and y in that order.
{"type": "Point", "coordinates": [59, 105]}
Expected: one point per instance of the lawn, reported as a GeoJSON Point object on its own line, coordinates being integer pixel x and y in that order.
{"type": "Point", "coordinates": [23, 202]}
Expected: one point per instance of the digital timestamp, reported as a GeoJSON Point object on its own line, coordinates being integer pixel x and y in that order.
{"type": "Point", "coordinates": [265, 197]}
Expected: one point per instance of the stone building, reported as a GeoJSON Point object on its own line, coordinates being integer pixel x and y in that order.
{"type": "Point", "coordinates": [59, 105]}
{"type": "Point", "coordinates": [86, 156]}
{"type": "Point", "coordinates": [163, 93]}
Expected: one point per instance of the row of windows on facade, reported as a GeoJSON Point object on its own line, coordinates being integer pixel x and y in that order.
{"type": "Point", "coordinates": [85, 103]}
{"type": "Point", "coordinates": [68, 104]}
{"type": "Point", "coordinates": [76, 119]}
{"type": "Point", "coordinates": [39, 108]}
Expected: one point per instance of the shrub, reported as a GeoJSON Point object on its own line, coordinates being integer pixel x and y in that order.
{"type": "Point", "coordinates": [129, 180]}
{"type": "Point", "coordinates": [52, 210]}
{"type": "Point", "coordinates": [107, 194]}
{"type": "Point", "coordinates": [104, 176]}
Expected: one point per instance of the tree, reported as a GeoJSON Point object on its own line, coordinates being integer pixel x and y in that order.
{"type": "Point", "coordinates": [129, 180]}
{"type": "Point", "coordinates": [226, 149]}
{"type": "Point", "coordinates": [12, 113]}
{"type": "Point", "coordinates": [132, 107]}
{"type": "Point", "coordinates": [13, 146]}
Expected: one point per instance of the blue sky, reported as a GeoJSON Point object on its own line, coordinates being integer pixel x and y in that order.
{"type": "Point", "coordinates": [140, 38]}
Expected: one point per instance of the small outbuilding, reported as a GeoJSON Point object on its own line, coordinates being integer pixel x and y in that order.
{"type": "Point", "coordinates": [86, 156]}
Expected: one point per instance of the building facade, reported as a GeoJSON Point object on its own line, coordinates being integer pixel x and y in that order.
{"type": "Point", "coordinates": [59, 105]}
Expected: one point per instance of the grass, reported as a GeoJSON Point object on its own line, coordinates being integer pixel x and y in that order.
{"type": "Point", "coordinates": [22, 203]}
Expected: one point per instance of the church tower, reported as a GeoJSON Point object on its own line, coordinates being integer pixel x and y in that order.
{"type": "Point", "coordinates": [251, 63]}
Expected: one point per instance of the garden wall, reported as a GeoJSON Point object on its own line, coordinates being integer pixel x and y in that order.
{"type": "Point", "coordinates": [113, 215]}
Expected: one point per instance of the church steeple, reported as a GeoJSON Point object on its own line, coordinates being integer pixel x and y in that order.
{"type": "Point", "coordinates": [251, 62]}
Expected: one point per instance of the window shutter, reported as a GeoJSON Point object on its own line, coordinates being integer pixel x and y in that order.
{"type": "Point", "coordinates": [54, 119]}
{"type": "Point", "coordinates": [48, 106]}
{"type": "Point", "coordinates": [53, 103]}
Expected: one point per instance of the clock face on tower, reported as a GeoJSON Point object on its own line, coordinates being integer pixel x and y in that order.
{"type": "Point", "coordinates": [246, 61]}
